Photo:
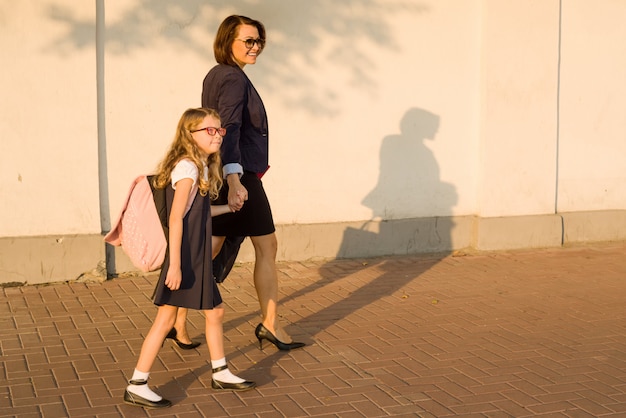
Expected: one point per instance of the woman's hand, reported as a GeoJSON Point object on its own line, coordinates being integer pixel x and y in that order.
{"type": "Point", "coordinates": [173, 278]}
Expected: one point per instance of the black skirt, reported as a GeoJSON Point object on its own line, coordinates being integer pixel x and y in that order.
{"type": "Point", "coordinates": [254, 219]}
{"type": "Point", "coordinates": [198, 289]}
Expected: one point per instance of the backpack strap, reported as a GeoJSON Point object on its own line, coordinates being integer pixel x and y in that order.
{"type": "Point", "coordinates": [161, 206]}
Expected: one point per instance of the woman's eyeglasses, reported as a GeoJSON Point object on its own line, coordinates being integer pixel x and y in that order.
{"type": "Point", "coordinates": [212, 131]}
{"type": "Point", "coordinates": [250, 42]}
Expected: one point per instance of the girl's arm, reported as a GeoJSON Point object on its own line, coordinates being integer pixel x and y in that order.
{"type": "Point", "coordinates": [175, 222]}
{"type": "Point", "coordinates": [217, 210]}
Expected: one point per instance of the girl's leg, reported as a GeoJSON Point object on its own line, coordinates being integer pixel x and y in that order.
{"type": "Point", "coordinates": [222, 377]}
{"type": "Point", "coordinates": [166, 315]}
{"type": "Point", "coordinates": [163, 323]}
{"type": "Point", "coordinates": [215, 331]}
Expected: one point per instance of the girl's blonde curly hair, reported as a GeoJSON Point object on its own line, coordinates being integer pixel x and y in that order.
{"type": "Point", "coordinates": [184, 146]}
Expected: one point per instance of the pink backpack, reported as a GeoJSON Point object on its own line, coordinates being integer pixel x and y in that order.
{"type": "Point", "coordinates": [140, 227]}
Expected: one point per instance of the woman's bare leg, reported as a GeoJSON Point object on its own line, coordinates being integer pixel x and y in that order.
{"type": "Point", "coordinates": [181, 326]}
{"type": "Point", "coordinates": [266, 283]}
{"type": "Point", "coordinates": [216, 245]}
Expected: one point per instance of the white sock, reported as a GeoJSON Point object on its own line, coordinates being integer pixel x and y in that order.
{"type": "Point", "coordinates": [142, 390]}
{"type": "Point", "coordinates": [224, 375]}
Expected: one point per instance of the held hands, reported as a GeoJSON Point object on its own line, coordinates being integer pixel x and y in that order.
{"type": "Point", "coordinates": [237, 194]}
{"type": "Point", "coordinates": [240, 198]}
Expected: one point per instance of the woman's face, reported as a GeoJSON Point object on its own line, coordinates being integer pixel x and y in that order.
{"type": "Point", "coordinates": [208, 144]}
{"type": "Point", "coordinates": [241, 53]}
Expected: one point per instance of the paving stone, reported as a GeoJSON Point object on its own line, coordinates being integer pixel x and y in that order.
{"type": "Point", "coordinates": [502, 334]}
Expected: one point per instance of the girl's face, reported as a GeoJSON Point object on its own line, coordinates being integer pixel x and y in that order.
{"type": "Point", "coordinates": [243, 54]}
{"type": "Point", "coordinates": [207, 136]}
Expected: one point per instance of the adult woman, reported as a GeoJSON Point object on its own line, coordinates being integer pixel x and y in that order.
{"type": "Point", "coordinates": [226, 88]}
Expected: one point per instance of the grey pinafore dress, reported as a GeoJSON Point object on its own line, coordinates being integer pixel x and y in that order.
{"type": "Point", "coordinates": [198, 289]}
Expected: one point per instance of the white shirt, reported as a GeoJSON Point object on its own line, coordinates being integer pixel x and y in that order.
{"type": "Point", "coordinates": [186, 169]}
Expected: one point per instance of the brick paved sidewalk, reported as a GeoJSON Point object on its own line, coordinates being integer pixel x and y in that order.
{"type": "Point", "coordinates": [532, 333]}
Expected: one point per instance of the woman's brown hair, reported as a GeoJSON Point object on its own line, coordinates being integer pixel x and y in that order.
{"type": "Point", "coordinates": [226, 34]}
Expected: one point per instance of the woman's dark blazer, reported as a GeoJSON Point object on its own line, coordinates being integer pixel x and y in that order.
{"type": "Point", "coordinates": [228, 90]}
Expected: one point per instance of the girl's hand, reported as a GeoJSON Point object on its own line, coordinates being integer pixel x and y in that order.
{"type": "Point", "coordinates": [173, 279]}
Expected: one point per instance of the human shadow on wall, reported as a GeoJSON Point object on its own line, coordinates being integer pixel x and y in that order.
{"type": "Point", "coordinates": [410, 203]}
{"type": "Point", "coordinates": [408, 183]}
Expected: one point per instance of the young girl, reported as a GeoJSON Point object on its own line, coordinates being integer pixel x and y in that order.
{"type": "Point", "coordinates": [190, 174]}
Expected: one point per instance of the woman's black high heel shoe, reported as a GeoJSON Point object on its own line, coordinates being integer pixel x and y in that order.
{"type": "Point", "coordinates": [172, 336]}
{"type": "Point", "coordinates": [263, 333]}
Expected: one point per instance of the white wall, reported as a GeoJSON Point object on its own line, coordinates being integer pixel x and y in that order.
{"type": "Point", "coordinates": [48, 128]}
{"type": "Point", "coordinates": [337, 82]}
{"type": "Point", "coordinates": [592, 122]}
{"type": "Point", "coordinates": [405, 111]}
{"type": "Point", "coordinates": [519, 107]}
{"type": "Point", "coordinates": [352, 142]}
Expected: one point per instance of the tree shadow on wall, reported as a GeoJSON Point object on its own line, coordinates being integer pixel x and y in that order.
{"type": "Point", "coordinates": [302, 36]}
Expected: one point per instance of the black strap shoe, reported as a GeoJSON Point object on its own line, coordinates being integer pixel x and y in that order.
{"type": "Point", "coordinates": [217, 385]}
{"type": "Point", "coordinates": [136, 400]}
